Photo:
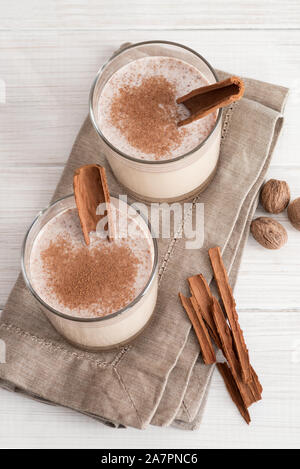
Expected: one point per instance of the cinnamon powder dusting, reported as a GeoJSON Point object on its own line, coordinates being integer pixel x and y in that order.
{"type": "Point", "coordinates": [84, 278]}
{"type": "Point", "coordinates": [147, 115]}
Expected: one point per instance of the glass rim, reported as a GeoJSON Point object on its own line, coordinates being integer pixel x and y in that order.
{"type": "Point", "coordinates": [119, 152]}
{"type": "Point", "coordinates": [85, 319]}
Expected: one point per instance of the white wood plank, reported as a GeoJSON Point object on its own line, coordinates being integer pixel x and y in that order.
{"type": "Point", "coordinates": [274, 343]}
{"type": "Point", "coordinates": [48, 76]}
{"type": "Point", "coordinates": [154, 14]}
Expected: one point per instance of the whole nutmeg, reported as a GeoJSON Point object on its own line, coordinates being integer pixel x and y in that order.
{"type": "Point", "coordinates": [294, 213]}
{"type": "Point", "coordinates": [275, 196]}
{"type": "Point", "coordinates": [268, 232]}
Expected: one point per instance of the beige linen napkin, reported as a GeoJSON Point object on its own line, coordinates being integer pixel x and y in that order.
{"type": "Point", "coordinates": [159, 378]}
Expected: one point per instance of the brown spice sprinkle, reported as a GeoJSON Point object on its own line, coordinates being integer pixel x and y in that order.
{"type": "Point", "coordinates": [147, 115]}
{"type": "Point", "coordinates": [89, 278]}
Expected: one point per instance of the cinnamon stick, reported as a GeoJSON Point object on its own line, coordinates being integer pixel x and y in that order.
{"type": "Point", "coordinates": [224, 333]}
{"type": "Point", "coordinates": [257, 387]}
{"type": "Point", "coordinates": [206, 99]}
{"type": "Point", "coordinates": [202, 294]}
{"type": "Point", "coordinates": [207, 350]}
{"type": "Point", "coordinates": [90, 190]}
{"type": "Point", "coordinates": [233, 390]}
{"type": "Point", "coordinates": [250, 392]}
{"type": "Point", "coordinates": [203, 308]}
{"type": "Point", "coordinates": [225, 291]}
{"type": "Point", "coordinates": [220, 332]}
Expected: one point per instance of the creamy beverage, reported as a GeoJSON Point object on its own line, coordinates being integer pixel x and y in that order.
{"type": "Point", "coordinates": [138, 113]}
{"type": "Point", "coordinates": [100, 295]}
{"type": "Point", "coordinates": [133, 108]}
{"type": "Point", "coordinates": [89, 281]}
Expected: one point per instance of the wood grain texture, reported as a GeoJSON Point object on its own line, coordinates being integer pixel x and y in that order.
{"type": "Point", "coordinates": [49, 54]}
{"type": "Point", "coordinates": [274, 342]}
{"type": "Point", "coordinates": [154, 14]}
{"type": "Point", "coordinates": [48, 76]}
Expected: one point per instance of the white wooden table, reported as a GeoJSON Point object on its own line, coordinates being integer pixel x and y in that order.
{"type": "Point", "coordinates": [49, 54]}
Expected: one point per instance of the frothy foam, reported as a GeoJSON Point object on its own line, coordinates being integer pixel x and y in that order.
{"type": "Point", "coordinates": [132, 79]}
{"type": "Point", "coordinates": [63, 234]}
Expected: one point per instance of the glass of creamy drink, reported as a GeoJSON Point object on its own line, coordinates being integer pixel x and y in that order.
{"type": "Point", "coordinates": [98, 296]}
{"type": "Point", "coordinates": [133, 108]}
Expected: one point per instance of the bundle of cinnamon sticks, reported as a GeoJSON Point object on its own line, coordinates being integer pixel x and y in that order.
{"type": "Point", "coordinates": [217, 327]}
